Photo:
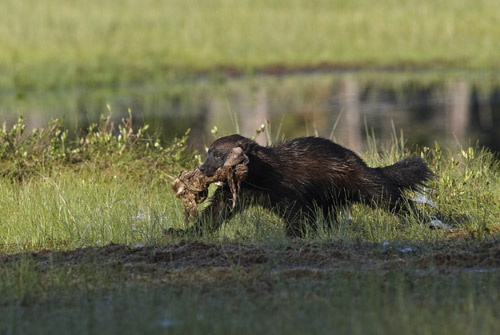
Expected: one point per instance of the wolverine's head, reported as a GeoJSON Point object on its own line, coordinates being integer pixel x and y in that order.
{"type": "Point", "coordinates": [228, 150]}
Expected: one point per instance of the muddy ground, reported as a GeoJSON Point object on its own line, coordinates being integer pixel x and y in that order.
{"type": "Point", "coordinates": [314, 256]}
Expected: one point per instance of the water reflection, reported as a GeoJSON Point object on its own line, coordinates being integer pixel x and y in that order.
{"type": "Point", "coordinates": [447, 108]}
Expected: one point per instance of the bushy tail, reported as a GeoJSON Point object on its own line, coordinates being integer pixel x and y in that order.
{"type": "Point", "coordinates": [410, 173]}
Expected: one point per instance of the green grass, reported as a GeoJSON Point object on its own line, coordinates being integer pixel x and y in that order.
{"type": "Point", "coordinates": [75, 43]}
{"type": "Point", "coordinates": [82, 249]}
{"type": "Point", "coordinates": [344, 303]}
{"type": "Point", "coordinates": [70, 206]}
{"type": "Point", "coordinates": [112, 184]}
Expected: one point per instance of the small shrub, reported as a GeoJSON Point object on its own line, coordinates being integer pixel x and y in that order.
{"type": "Point", "coordinates": [101, 146]}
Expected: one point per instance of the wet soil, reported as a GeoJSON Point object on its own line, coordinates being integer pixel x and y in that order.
{"type": "Point", "coordinates": [283, 69]}
{"type": "Point", "coordinates": [313, 256]}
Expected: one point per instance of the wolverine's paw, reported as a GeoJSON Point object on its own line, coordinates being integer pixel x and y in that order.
{"type": "Point", "coordinates": [177, 232]}
{"type": "Point", "coordinates": [173, 232]}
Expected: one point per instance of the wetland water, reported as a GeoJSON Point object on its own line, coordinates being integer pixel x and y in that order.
{"type": "Point", "coordinates": [429, 106]}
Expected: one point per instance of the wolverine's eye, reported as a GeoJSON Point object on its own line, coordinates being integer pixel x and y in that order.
{"type": "Point", "coordinates": [217, 154]}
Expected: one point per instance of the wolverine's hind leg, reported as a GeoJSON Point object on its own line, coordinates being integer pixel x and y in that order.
{"type": "Point", "coordinates": [301, 220]}
{"type": "Point", "coordinates": [408, 208]}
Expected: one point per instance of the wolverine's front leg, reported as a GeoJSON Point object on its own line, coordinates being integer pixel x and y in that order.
{"type": "Point", "coordinates": [220, 209]}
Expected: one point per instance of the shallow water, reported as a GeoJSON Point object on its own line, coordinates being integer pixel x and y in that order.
{"type": "Point", "coordinates": [448, 107]}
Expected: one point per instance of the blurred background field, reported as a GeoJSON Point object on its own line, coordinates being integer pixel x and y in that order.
{"type": "Point", "coordinates": [73, 43]}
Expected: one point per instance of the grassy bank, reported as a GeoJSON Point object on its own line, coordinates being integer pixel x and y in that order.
{"type": "Point", "coordinates": [82, 248]}
{"type": "Point", "coordinates": [74, 43]}
{"type": "Point", "coordinates": [111, 184]}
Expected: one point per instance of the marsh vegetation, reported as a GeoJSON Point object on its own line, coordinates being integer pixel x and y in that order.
{"type": "Point", "coordinates": [83, 247]}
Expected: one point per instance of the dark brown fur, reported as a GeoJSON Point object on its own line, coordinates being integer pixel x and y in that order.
{"type": "Point", "coordinates": [299, 177]}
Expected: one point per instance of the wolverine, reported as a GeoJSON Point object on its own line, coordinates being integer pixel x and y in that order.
{"type": "Point", "coordinates": [304, 177]}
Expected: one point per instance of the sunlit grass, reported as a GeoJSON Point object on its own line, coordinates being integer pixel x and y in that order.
{"type": "Point", "coordinates": [77, 43]}
{"type": "Point", "coordinates": [63, 207]}
{"type": "Point", "coordinates": [71, 210]}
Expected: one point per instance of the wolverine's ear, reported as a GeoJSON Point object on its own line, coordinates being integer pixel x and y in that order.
{"type": "Point", "coordinates": [245, 144]}
{"type": "Point", "coordinates": [237, 156]}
